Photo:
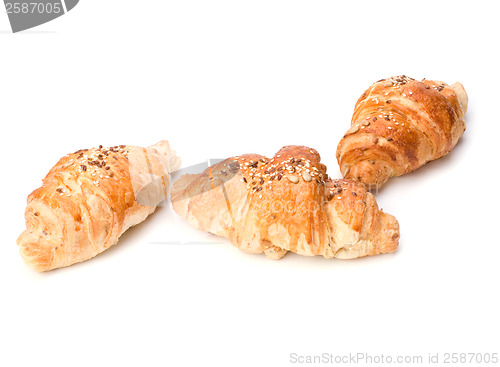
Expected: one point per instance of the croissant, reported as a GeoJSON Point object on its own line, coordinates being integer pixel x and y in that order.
{"type": "Point", "coordinates": [89, 198]}
{"type": "Point", "coordinates": [398, 125]}
{"type": "Point", "coordinates": [286, 203]}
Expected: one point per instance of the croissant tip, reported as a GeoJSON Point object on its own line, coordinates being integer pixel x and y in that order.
{"type": "Point", "coordinates": [462, 97]}
{"type": "Point", "coordinates": [391, 235]}
{"type": "Point", "coordinates": [163, 147]}
{"type": "Point", "coordinates": [372, 175]}
{"type": "Point", "coordinates": [36, 256]}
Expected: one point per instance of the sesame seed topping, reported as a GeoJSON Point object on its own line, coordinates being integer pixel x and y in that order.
{"type": "Point", "coordinates": [399, 80]}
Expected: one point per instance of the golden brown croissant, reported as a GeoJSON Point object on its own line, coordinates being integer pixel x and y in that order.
{"type": "Point", "coordinates": [398, 125]}
{"type": "Point", "coordinates": [286, 203]}
{"type": "Point", "coordinates": [89, 198]}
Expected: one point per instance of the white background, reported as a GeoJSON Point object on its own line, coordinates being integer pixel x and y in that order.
{"type": "Point", "coordinates": [220, 78]}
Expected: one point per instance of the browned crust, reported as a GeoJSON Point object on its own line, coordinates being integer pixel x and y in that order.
{"type": "Point", "coordinates": [86, 201]}
{"type": "Point", "coordinates": [398, 125]}
{"type": "Point", "coordinates": [284, 203]}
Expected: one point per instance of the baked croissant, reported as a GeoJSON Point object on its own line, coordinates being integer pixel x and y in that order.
{"type": "Point", "coordinates": [398, 125]}
{"type": "Point", "coordinates": [286, 203]}
{"type": "Point", "coordinates": [89, 198]}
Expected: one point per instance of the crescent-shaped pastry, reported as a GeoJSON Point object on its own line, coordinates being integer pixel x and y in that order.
{"type": "Point", "coordinates": [89, 198]}
{"type": "Point", "coordinates": [286, 203]}
{"type": "Point", "coordinates": [398, 125]}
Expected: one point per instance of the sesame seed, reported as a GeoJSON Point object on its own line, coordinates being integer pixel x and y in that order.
{"type": "Point", "coordinates": [353, 129]}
